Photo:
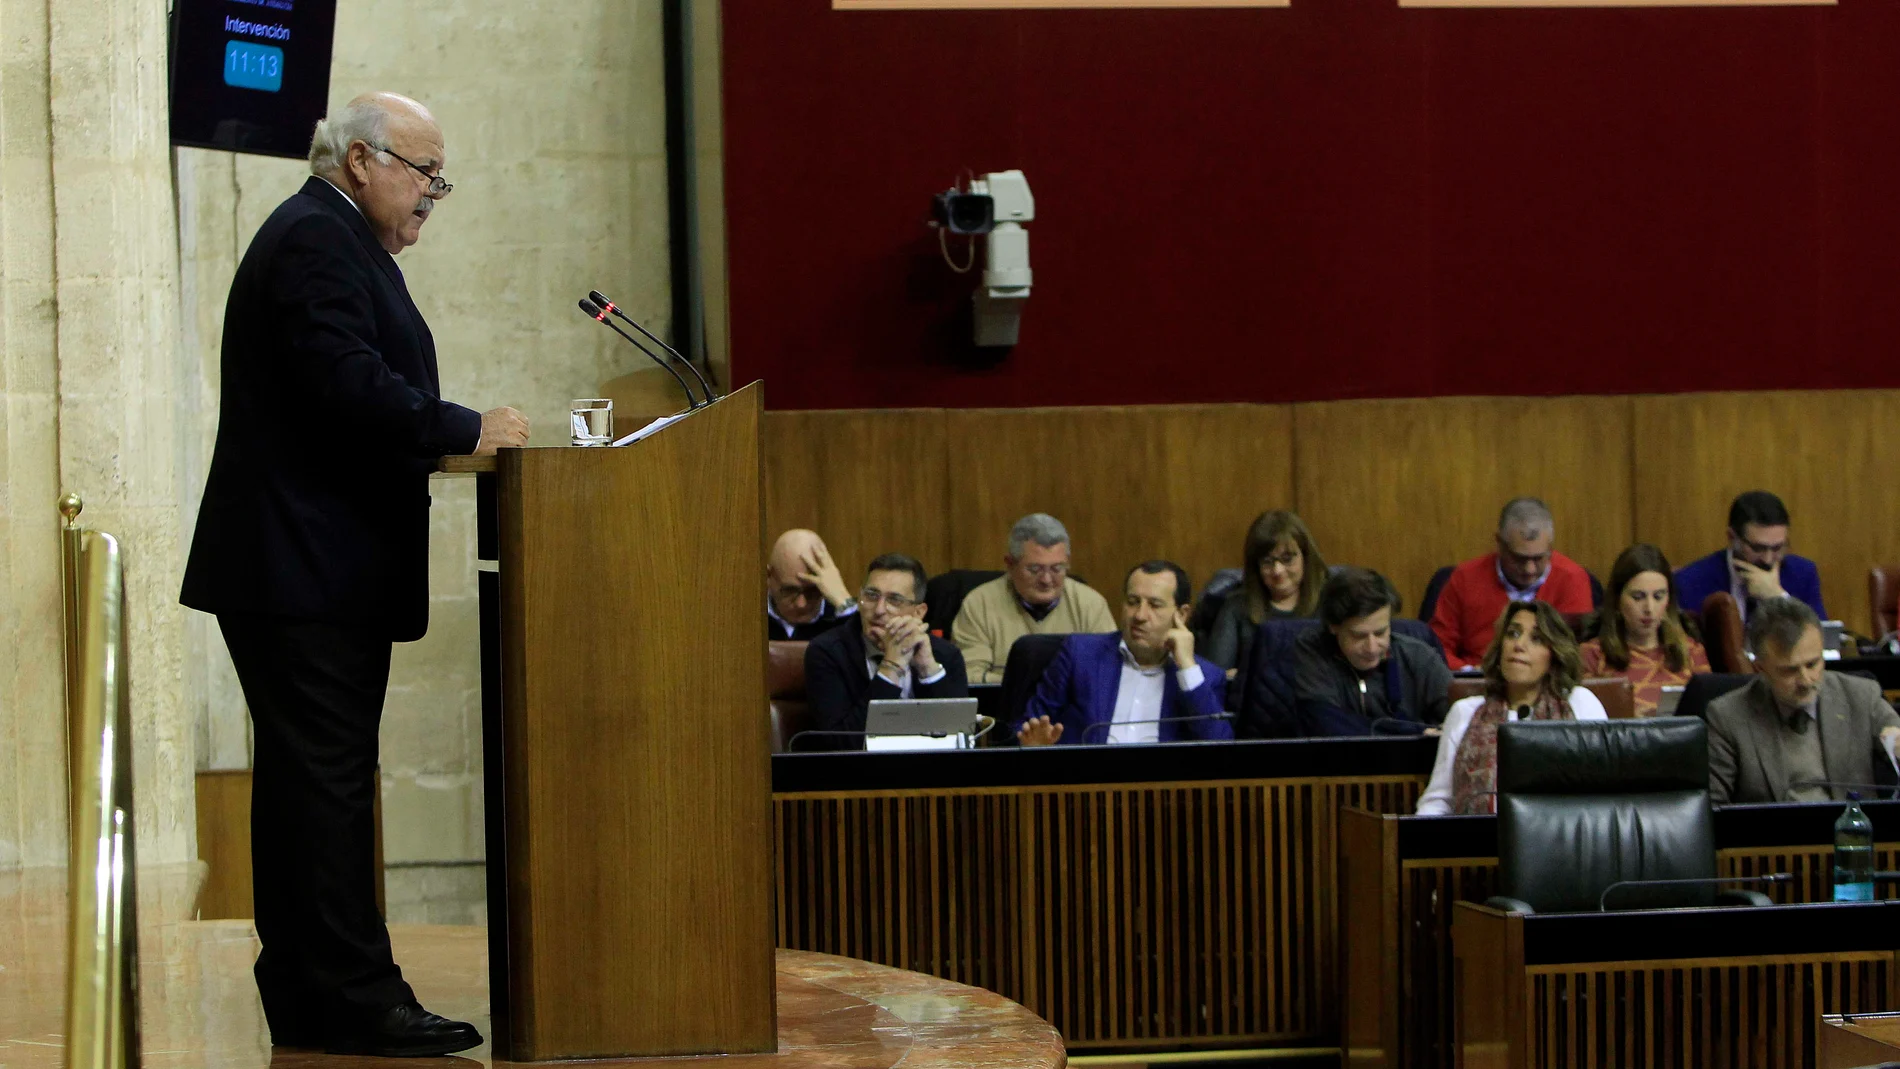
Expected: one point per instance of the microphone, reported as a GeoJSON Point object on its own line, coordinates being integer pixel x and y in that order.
{"type": "Point", "coordinates": [1377, 729]}
{"type": "Point", "coordinates": [1112, 724]}
{"type": "Point", "coordinates": [983, 724]}
{"type": "Point", "coordinates": [1835, 784]}
{"type": "Point", "coordinates": [599, 316]}
{"type": "Point", "coordinates": [600, 299]}
{"type": "Point", "coordinates": [791, 744]}
{"type": "Point", "coordinates": [1694, 881]}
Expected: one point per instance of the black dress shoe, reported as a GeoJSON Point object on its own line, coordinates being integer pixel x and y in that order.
{"type": "Point", "coordinates": [408, 1031]}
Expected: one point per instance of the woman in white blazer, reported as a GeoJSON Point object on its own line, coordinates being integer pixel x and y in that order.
{"type": "Point", "coordinates": [1531, 672]}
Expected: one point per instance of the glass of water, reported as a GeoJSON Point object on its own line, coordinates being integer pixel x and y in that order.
{"type": "Point", "coordinates": [592, 420]}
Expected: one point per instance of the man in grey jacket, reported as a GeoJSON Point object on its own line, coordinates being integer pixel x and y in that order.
{"type": "Point", "coordinates": [1796, 723]}
{"type": "Point", "coordinates": [1354, 676]}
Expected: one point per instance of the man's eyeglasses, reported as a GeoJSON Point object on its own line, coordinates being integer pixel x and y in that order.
{"type": "Point", "coordinates": [893, 602]}
{"type": "Point", "coordinates": [1053, 571]}
{"type": "Point", "coordinates": [1761, 550]}
{"type": "Point", "coordinates": [438, 186]}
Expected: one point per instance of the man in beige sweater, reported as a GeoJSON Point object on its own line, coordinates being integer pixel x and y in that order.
{"type": "Point", "coordinates": [1035, 596]}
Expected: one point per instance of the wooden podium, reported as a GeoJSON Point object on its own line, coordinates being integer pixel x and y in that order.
{"type": "Point", "coordinates": [627, 755]}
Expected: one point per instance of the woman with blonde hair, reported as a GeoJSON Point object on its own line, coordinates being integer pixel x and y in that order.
{"type": "Point", "coordinates": [1531, 672]}
{"type": "Point", "coordinates": [1641, 636]}
{"type": "Point", "coordinates": [1282, 576]}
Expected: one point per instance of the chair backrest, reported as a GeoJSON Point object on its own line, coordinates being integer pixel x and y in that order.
{"type": "Point", "coordinates": [1722, 633]}
{"type": "Point", "coordinates": [1583, 805]}
{"type": "Point", "coordinates": [1029, 658]}
{"type": "Point", "coordinates": [1420, 630]}
{"type": "Point", "coordinates": [1220, 586]}
{"type": "Point", "coordinates": [1883, 594]}
{"type": "Point", "coordinates": [785, 669]}
{"type": "Point", "coordinates": [785, 690]}
{"type": "Point", "coordinates": [1267, 710]}
{"type": "Point", "coordinates": [1705, 688]}
{"type": "Point", "coordinates": [1429, 603]}
{"type": "Point", "coordinates": [1615, 692]}
{"type": "Point", "coordinates": [1596, 591]}
{"type": "Point", "coordinates": [944, 594]}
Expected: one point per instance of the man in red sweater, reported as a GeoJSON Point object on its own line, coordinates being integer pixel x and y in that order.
{"type": "Point", "coordinates": [1524, 568]}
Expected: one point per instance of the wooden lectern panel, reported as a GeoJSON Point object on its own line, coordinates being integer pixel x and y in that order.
{"type": "Point", "coordinates": [636, 761]}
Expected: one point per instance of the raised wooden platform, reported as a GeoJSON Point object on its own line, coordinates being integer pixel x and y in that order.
{"type": "Point", "coordinates": [201, 1009]}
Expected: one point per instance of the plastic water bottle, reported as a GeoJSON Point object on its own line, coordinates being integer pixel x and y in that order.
{"type": "Point", "coordinates": [1853, 854]}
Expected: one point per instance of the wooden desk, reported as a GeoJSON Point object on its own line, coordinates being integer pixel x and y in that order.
{"type": "Point", "coordinates": [1169, 896]}
{"type": "Point", "coordinates": [1400, 876]}
{"type": "Point", "coordinates": [1860, 1040]}
{"type": "Point", "coordinates": [1710, 988]}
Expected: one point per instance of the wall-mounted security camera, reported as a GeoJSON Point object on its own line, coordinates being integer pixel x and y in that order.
{"type": "Point", "coordinates": [995, 206]}
{"type": "Point", "coordinates": [964, 213]}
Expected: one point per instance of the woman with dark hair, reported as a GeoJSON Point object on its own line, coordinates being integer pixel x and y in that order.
{"type": "Point", "coordinates": [1282, 576]}
{"type": "Point", "coordinates": [1531, 672]}
{"type": "Point", "coordinates": [1641, 635]}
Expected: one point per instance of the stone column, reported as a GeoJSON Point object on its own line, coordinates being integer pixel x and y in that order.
{"type": "Point", "coordinates": [93, 393]}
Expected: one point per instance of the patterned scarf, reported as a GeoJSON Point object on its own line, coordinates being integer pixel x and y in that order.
{"type": "Point", "coordinates": [1474, 774]}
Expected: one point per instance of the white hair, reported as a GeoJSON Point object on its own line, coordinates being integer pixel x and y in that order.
{"type": "Point", "coordinates": [357, 121]}
{"type": "Point", "coordinates": [1038, 527]}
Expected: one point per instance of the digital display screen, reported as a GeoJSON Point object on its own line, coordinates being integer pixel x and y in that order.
{"type": "Point", "coordinates": [250, 75]}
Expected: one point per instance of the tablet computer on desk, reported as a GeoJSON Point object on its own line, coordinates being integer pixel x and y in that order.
{"type": "Point", "coordinates": [1671, 698]}
{"type": "Point", "coordinates": [919, 723]}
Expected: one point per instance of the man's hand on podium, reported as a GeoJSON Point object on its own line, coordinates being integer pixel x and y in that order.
{"type": "Point", "coordinates": [502, 428]}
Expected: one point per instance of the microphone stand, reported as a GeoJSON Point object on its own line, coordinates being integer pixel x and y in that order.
{"type": "Point", "coordinates": [1698, 881]}
{"type": "Point", "coordinates": [1112, 724]}
{"type": "Point", "coordinates": [593, 312]}
{"type": "Point", "coordinates": [600, 299]}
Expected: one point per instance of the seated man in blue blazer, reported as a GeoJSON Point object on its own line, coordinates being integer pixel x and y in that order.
{"type": "Point", "coordinates": [886, 653]}
{"type": "Point", "coordinates": [1756, 565]}
{"type": "Point", "coordinates": [1143, 684]}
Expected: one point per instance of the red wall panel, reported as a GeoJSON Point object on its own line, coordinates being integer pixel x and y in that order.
{"type": "Point", "coordinates": [1340, 199]}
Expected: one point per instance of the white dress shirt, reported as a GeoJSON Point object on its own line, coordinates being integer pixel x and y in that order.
{"type": "Point", "coordinates": [1138, 698]}
{"type": "Point", "coordinates": [345, 196]}
{"type": "Point", "coordinates": [837, 614]}
{"type": "Point", "coordinates": [1436, 801]}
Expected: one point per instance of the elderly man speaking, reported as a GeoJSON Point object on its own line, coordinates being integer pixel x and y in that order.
{"type": "Point", "coordinates": [312, 549]}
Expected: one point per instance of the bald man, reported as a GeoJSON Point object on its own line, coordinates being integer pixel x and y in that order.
{"type": "Point", "coordinates": [805, 595]}
{"type": "Point", "coordinates": [312, 550]}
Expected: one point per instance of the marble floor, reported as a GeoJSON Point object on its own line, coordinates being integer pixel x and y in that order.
{"type": "Point", "coordinates": [201, 1011]}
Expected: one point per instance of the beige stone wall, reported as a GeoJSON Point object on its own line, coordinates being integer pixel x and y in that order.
{"type": "Point", "coordinates": [31, 689]}
{"type": "Point", "coordinates": [555, 136]}
{"type": "Point", "coordinates": [92, 393]}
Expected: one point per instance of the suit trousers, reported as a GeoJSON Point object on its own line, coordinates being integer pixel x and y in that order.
{"type": "Point", "coordinates": [315, 692]}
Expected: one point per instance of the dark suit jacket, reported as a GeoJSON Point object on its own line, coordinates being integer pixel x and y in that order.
{"type": "Point", "coordinates": [840, 687]}
{"type": "Point", "coordinates": [317, 505]}
{"type": "Point", "coordinates": [1696, 580]}
{"type": "Point", "coordinates": [1745, 761]}
{"type": "Point", "coordinates": [1080, 686]}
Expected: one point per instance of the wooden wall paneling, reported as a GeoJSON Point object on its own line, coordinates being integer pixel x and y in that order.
{"type": "Point", "coordinates": [870, 481]}
{"type": "Point", "coordinates": [1175, 481]}
{"type": "Point", "coordinates": [1408, 486]}
{"type": "Point", "coordinates": [224, 844]}
{"type": "Point", "coordinates": [1159, 913]}
{"type": "Point", "coordinates": [1828, 453]}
